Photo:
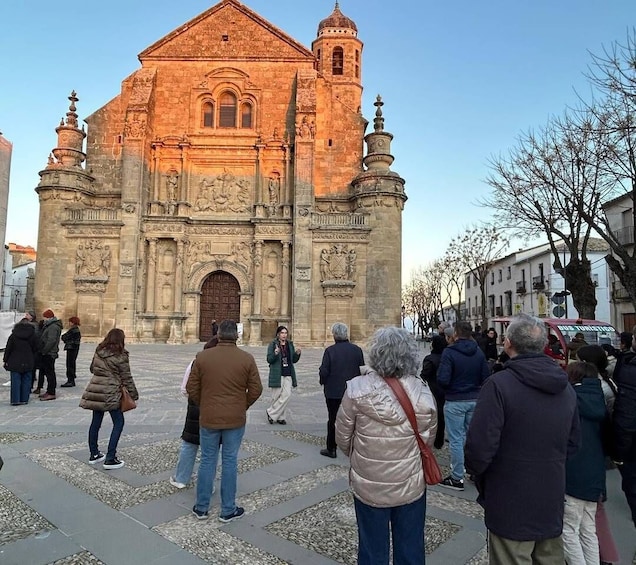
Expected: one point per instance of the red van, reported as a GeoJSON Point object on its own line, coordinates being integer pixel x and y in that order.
{"type": "Point", "coordinates": [594, 332]}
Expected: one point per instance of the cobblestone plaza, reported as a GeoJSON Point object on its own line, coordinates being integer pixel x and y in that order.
{"type": "Point", "coordinates": [55, 508]}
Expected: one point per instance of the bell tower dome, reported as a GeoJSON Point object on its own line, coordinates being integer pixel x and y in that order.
{"type": "Point", "coordinates": [337, 49]}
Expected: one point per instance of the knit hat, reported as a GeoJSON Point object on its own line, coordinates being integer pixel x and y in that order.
{"type": "Point", "coordinates": [48, 313]}
{"type": "Point", "coordinates": [74, 320]}
{"type": "Point", "coordinates": [32, 314]}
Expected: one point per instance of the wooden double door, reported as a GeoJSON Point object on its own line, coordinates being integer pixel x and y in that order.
{"type": "Point", "coordinates": [220, 300]}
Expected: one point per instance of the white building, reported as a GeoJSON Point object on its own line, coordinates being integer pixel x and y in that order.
{"type": "Point", "coordinates": [17, 283]}
{"type": "Point", "coordinates": [525, 281]}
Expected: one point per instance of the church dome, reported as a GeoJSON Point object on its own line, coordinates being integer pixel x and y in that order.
{"type": "Point", "coordinates": [337, 22]}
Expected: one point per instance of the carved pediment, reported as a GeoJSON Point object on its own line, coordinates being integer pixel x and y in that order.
{"type": "Point", "coordinates": [228, 30]}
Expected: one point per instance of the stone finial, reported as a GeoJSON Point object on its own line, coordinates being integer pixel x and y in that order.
{"type": "Point", "coordinates": [378, 122]}
{"type": "Point", "coordinates": [71, 116]}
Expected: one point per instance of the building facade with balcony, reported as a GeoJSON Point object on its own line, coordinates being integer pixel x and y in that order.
{"type": "Point", "coordinates": [525, 281]}
{"type": "Point", "coordinates": [620, 216]}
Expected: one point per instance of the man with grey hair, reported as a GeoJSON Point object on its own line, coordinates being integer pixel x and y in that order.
{"type": "Point", "coordinates": [340, 363]}
{"type": "Point", "coordinates": [525, 426]}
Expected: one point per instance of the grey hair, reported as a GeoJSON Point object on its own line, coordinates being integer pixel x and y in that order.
{"type": "Point", "coordinates": [228, 330]}
{"type": "Point", "coordinates": [393, 352]}
{"type": "Point", "coordinates": [449, 332]}
{"type": "Point", "coordinates": [340, 331]}
{"type": "Point", "coordinates": [444, 325]}
{"type": "Point", "coordinates": [527, 334]}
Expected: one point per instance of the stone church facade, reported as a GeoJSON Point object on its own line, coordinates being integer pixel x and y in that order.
{"type": "Point", "coordinates": [227, 180]}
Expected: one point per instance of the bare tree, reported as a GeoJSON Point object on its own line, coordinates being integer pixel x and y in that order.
{"type": "Point", "coordinates": [477, 249]}
{"type": "Point", "coordinates": [542, 188]}
{"type": "Point", "coordinates": [421, 298]}
{"type": "Point", "coordinates": [453, 270]}
{"type": "Point", "coordinates": [613, 74]}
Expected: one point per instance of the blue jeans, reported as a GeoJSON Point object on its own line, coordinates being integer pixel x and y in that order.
{"type": "Point", "coordinates": [20, 387]}
{"type": "Point", "coordinates": [210, 443]}
{"type": "Point", "coordinates": [187, 457]}
{"type": "Point", "coordinates": [407, 529]}
{"type": "Point", "coordinates": [457, 415]}
{"type": "Point", "coordinates": [117, 416]}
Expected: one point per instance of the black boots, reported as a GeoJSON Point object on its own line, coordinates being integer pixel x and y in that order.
{"type": "Point", "coordinates": [68, 384]}
{"type": "Point", "coordinates": [329, 453]}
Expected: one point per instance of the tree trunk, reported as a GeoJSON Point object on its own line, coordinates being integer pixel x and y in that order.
{"type": "Point", "coordinates": [578, 280]}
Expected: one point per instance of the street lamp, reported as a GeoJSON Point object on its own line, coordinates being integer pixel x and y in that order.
{"type": "Point", "coordinates": [403, 315]}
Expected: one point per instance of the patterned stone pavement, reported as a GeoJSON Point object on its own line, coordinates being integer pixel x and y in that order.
{"type": "Point", "coordinates": [57, 509]}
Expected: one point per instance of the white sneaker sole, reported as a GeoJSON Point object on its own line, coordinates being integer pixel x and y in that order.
{"type": "Point", "coordinates": [115, 466]}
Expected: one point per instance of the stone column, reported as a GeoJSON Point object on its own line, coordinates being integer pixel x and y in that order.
{"type": "Point", "coordinates": [258, 276]}
{"type": "Point", "coordinates": [151, 276]}
{"type": "Point", "coordinates": [156, 174]}
{"type": "Point", "coordinates": [178, 277]}
{"type": "Point", "coordinates": [284, 306]}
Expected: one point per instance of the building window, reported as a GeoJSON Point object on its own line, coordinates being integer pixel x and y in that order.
{"type": "Point", "coordinates": [468, 281]}
{"type": "Point", "coordinates": [246, 115]}
{"type": "Point", "coordinates": [509, 273]}
{"type": "Point", "coordinates": [227, 110]}
{"type": "Point", "coordinates": [337, 61]}
{"type": "Point", "coordinates": [492, 277]}
{"type": "Point", "coordinates": [500, 275]}
{"type": "Point", "coordinates": [207, 115]}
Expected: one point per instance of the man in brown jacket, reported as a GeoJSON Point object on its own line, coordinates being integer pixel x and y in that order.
{"type": "Point", "coordinates": [224, 383]}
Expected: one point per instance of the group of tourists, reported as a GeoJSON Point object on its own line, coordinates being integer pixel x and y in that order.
{"type": "Point", "coordinates": [534, 438]}
{"type": "Point", "coordinates": [31, 352]}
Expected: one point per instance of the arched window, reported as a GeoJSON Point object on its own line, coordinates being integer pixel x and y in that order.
{"type": "Point", "coordinates": [246, 115]}
{"type": "Point", "coordinates": [227, 110]}
{"type": "Point", "coordinates": [337, 61]}
{"type": "Point", "coordinates": [207, 115]}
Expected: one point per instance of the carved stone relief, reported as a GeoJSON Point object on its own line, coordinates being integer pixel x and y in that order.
{"type": "Point", "coordinates": [305, 128]}
{"type": "Point", "coordinates": [93, 259]}
{"type": "Point", "coordinates": [223, 193]}
{"type": "Point", "coordinates": [135, 126]}
{"type": "Point", "coordinates": [338, 263]}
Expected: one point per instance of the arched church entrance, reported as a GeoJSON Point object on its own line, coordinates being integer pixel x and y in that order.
{"type": "Point", "coordinates": [220, 300]}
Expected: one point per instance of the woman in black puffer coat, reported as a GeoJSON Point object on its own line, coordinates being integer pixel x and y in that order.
{"type": "Point", "coordinates": [19, 360]}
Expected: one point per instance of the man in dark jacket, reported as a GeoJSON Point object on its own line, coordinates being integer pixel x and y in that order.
{"type": "Point", "coordinates": [462, 370]}
{"type": "Point", "coordinates": [340, 363]}
{"type": "Point", "coordinates": [49, 347]}
{"type": "Point", "coordinates": [525, 426]}
{"type": "Point", "coordinates": [624, 419]}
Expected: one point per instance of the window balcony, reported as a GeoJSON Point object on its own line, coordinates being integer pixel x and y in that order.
{"type": "Point", "coordinates": [538, 283]}
{"type": "Point", "coordinates": [521, 287]}
{"type": "Point", "coordinates": [625, 236]}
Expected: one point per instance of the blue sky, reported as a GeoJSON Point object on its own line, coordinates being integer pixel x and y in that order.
{"type": "Point", "coordinates": [460, 80]}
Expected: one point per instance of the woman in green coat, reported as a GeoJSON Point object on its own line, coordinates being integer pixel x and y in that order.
{"type": "Point", "coordinates": [281, 356]}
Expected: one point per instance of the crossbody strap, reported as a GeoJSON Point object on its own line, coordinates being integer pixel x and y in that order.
{"type": "Point", "coordinates": [396, 386]}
